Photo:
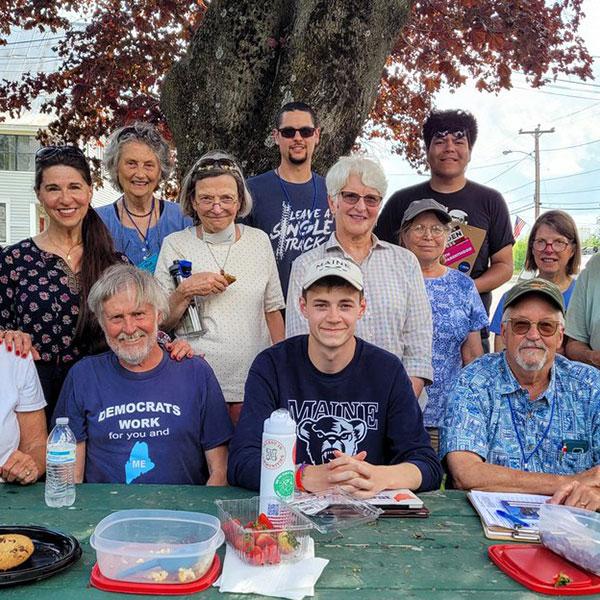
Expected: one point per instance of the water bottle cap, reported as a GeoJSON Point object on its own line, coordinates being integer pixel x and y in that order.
{"type": "Point", "coordinates": [62, 421]}
{"type": "Point", "coordinates": [280, 421]}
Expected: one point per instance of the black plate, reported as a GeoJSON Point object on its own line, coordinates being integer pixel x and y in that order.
{"type": "Point", "coordinates": [54, 552]}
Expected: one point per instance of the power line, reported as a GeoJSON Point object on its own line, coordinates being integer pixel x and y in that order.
{"type": "Point", "coordinates": [518, 87]}
{"type": "Point", "coordinates": [34, 41]}
{"type": "Point", "coordinates": [518, 187]}
{"type": "Point", "coordinates": [506, 170]}
{"type": "Point", "coordinates": [569, 147]}
{"type": "Point", "coordinates": [584, 191]}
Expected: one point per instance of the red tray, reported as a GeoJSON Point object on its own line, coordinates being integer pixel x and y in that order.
{"type": "Point", "coordinates": [536, 568]}
{"type": "Point", "coordinates": [158, 589]}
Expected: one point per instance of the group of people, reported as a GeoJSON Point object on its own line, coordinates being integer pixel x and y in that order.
{"type": "Point", "coordinates": [290, 290]}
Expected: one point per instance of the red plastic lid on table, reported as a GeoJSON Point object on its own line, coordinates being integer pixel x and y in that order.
{"type": "Point", "coordinates": [157, 589]}
{"type": "Point", "coordinates": [539, 569]}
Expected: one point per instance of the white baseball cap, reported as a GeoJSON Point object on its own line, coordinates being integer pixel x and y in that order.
{"type": "Point", "coordinates": [338, 267]}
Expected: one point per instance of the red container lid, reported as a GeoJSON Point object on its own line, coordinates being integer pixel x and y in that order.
{"type": "Point", "coordinates": [157, 589]}
{"type": "Point", "coordinates": [537, 568]}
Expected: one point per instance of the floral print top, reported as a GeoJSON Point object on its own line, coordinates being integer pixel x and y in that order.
{"type": "Point", "coordinates": [39, 294]}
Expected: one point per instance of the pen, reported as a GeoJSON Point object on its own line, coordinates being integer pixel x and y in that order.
{"type": "Point", "coordinates": [512, 518]}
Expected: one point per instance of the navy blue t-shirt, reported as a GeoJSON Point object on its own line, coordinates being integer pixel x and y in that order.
{"type": "Point", "coordinates": [369, 405]}
{"type": "Point", "coordinates": [295, 216]}
{"type": "Point", "coordinates": [150, 427]}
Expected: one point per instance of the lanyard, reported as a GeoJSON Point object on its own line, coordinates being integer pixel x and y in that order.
{"type": "Point", "coordinates": [527, 458]}
{"type": "Point", "coordinates": [287, 196]}
{"type": "Point", "coordinates": [143, 236]}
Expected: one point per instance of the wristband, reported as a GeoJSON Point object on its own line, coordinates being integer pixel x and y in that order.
{"type": "Point", "coordinates": [299, 473]}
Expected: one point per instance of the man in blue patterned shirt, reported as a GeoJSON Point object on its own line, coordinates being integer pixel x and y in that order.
{"type": "Point", "coordinates": [527, 419]}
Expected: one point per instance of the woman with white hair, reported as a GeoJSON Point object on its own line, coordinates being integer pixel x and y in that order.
{"type": "Point", "coordinates": [234, 275]}
{"type": "Point", "coordinates": [137, 159]}
{"type": "Point", "coordinates": [398, 315]}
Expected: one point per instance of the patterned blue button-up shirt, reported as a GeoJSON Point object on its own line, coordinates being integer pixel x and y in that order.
{"type": "Point", "coordinates": [479, 418]}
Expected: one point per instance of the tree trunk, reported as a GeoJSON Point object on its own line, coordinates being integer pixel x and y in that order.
{"type": "Point", "coordinates": [249, 58]}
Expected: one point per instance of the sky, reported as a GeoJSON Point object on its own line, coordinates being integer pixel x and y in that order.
{"type": "Point", "coordinates": [570, 175]}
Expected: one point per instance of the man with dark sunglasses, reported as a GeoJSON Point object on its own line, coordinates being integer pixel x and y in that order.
{"type": "Point", "coordinates": [527, 419]}
{"type": "Point", "coordinates": [290, 201]}
{"type": "Point", "coordinates": [449, 136]}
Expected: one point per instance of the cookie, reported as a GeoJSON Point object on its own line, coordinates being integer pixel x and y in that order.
{"type": "Point", "coordinates": [15, 549]}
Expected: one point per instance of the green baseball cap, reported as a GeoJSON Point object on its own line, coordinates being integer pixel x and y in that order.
{"type": "Point", "coordinates": [535, 286]}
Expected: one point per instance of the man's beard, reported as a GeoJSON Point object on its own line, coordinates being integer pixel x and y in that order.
{"type": "Point", "coordinates": [298, 160]}
{"type": "Point", "coordinates": [137, 355]}
{"type": "Point", "coordinates": [531, 366]}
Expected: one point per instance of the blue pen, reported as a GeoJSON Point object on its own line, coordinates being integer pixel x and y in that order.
{"type": "Point", "coordinates": [512, 518]}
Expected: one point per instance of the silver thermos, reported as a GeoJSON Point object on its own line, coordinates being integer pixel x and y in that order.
{"type": "Point", "coordinates": [191, 323]}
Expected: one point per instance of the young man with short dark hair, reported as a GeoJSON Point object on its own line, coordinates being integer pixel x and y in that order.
{"type": "Point", "coordinates": [358, 421]}
{"type": "Point", "coordinates": [449, 136]}
{"type": "Point", "coordinates": [290, 201]}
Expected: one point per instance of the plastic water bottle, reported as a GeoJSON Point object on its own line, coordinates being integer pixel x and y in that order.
{"type": "Point", "coordinates": [60, 465]}
{"type": "Point", "coordinates": [278, 458]}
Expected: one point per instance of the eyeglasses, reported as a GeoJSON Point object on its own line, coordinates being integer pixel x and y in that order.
{"type": "Point", "coordinates": [48, 152]}
{"type": "Point", "coordinates": [557, 245]}
{"type": "Point", "coordinates": [546, 328]}
{"type": "Point", "coordinates": [290, 132]}
{"type": "Point", "coordinates": [210, 201]}
{"type": "Point", "coordinates": [436, 231]}
{"type": "Point", "coordinates": [459, 134]}
{"type": "Point", "coordinates": [352, 198]}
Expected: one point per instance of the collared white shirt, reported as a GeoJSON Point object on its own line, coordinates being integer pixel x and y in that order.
{"type": "Point", "coordinates": [398, 315]}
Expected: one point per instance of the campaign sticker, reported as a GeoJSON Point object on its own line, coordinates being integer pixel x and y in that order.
{"type": "Point", "coordinates": [459, 251]}
{"type": "Point", "coordinates": [464, 267]}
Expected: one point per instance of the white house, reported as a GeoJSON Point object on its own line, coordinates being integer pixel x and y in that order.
{"type": "Point", "coordinates": [20, 213]}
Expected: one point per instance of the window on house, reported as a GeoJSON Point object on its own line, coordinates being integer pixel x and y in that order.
{"type": "Point", "coordinates": [3, 223]}
{"type": "Point", "coordinates": [17, 152]}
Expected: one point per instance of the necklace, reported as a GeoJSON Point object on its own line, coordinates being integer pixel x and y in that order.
{"type": "Point", "coordinates": [144, 236]}
{"type": "Point", "coordinates": [135, 214]}
{"type": "Point", "coordinates": [62, 252]}
{"type": "Point", "coordinates": [209, 243]}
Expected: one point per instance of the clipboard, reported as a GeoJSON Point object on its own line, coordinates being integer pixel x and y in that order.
{"type": "Point", "coordinates": [496, 528]}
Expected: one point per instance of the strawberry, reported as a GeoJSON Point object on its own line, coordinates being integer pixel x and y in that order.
{"type": "Point", "coordinates": [264, 539]}
{"type": "Point", "coordinates": [271, 554]}
{"type": "Point", "coordinates": [264, 521]}
{"type": "Point", "coordinates": [255, 556]}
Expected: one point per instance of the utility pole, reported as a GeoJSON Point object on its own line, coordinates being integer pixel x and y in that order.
{"type": "Point", "coordinates": [537, 132]}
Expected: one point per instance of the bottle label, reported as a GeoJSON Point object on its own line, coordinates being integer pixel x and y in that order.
{"type": "Point", "coordinates": [284, 484]}
{"type": "Point", "coordinates": [273, 454]}
{"type": "Point", "coordinates": [61, 456]}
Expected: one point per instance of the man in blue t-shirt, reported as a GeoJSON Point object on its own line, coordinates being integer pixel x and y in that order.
{"type": "Point", "coordinates": [137, 415]}
{"type": "Point", "coordinates": [290, 202]}
{"type": "Point", "coordinates": [358, 421]}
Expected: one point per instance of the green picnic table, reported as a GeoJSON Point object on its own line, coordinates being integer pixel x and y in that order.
{"type": "Point", "coordinates": [444, 556]}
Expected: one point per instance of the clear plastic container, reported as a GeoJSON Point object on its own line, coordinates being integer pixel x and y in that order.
{"type": "Point", "coordinates": [156, 546]}
{"type": "Point", "coordinates": [288, 540]}
{"type": "Point", "coordinates": [574, 533]}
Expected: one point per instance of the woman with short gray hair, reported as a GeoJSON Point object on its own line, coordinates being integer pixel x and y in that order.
{"type": "Point", "coordinates": [137, 159]}
{"type": "Point", "coordinates": [234, 276]}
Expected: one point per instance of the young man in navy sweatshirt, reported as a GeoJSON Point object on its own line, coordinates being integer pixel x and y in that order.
{"type": "Point", "coordinates": [359, 425]}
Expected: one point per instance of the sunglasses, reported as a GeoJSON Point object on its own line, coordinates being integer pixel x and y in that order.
{"type": "Point", "coordinates": [290, 132]}
{"type": "Point", "coordinates": [459, 134]}
{"type": "Point", "coordinates": [207, 164]}
{"type": "Point", "coordinates": [352, 198]}
{"type": "Point", "coordinates": [48, 152]}
{"type": "Point", "coordinates": [546, 328]}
